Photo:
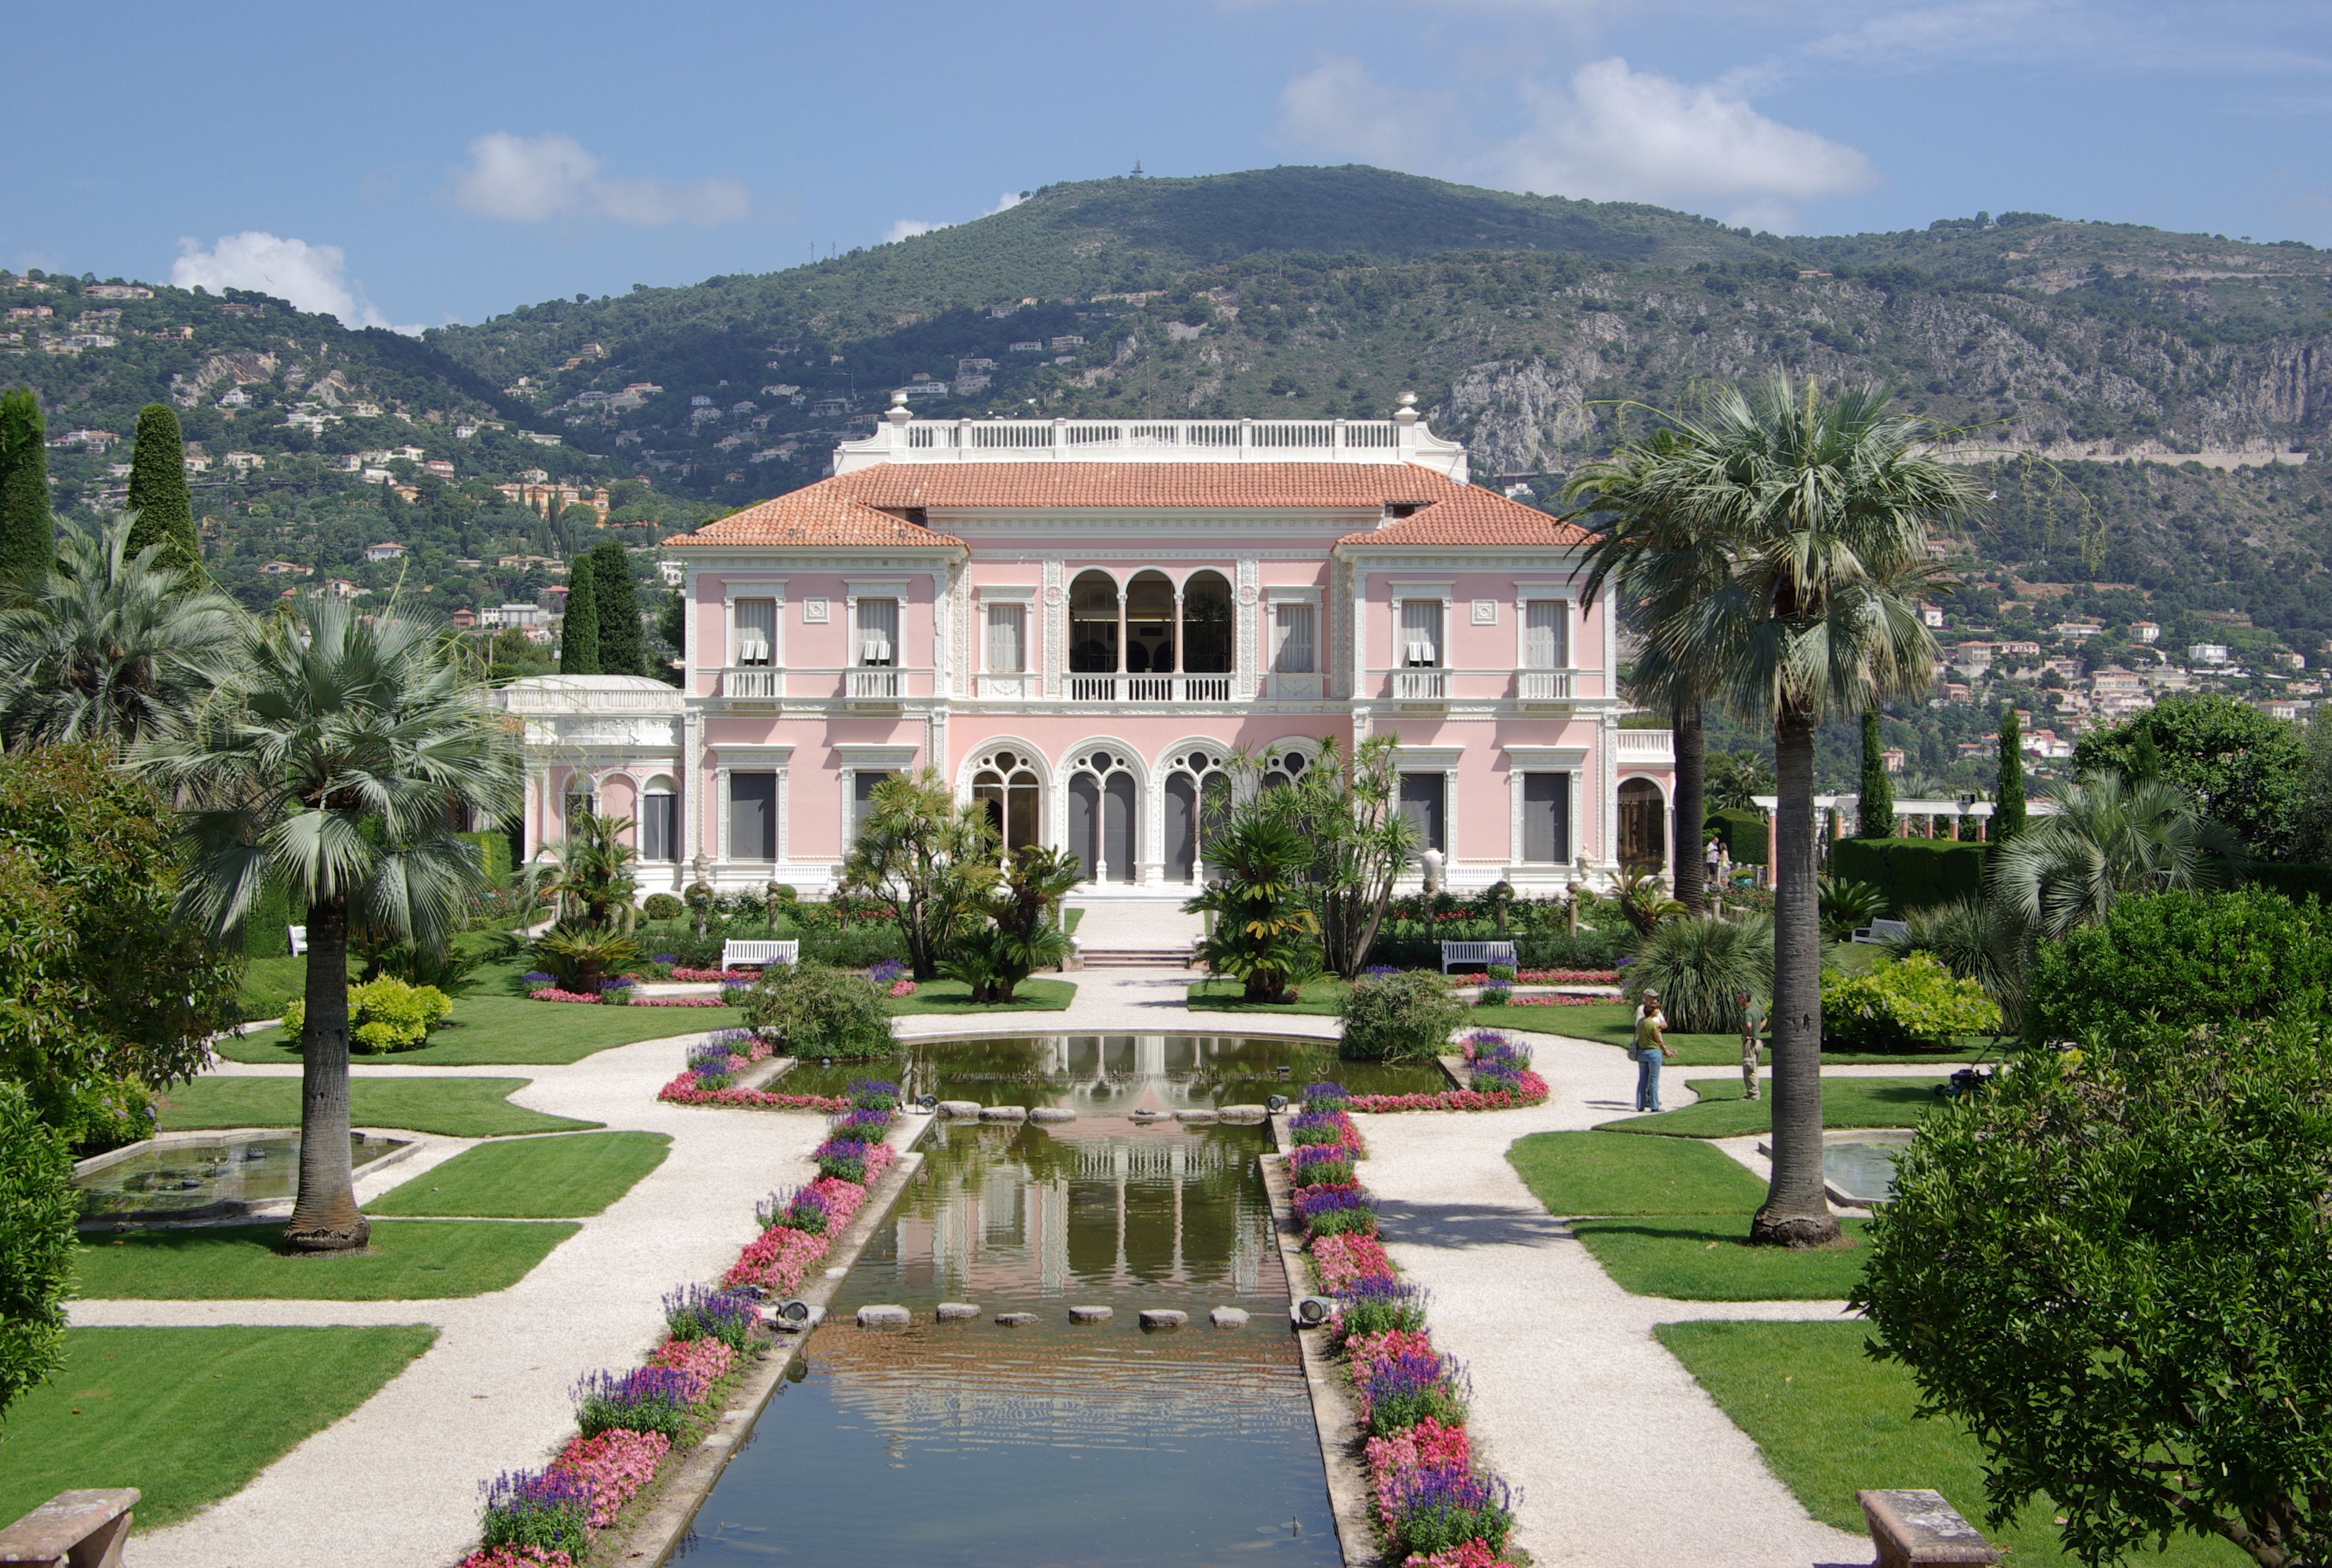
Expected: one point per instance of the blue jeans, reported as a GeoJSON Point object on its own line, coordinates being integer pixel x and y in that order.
{"type": "Point", "coordinates": [1647, 1080]}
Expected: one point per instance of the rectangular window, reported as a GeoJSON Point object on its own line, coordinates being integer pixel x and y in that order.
{"type": "Point", "coordinates": [862, 793]}
{"type": "Point", "coordinates": [660, 827]}
{"type": "Point", "coordinates": [1547, 635]}
{"type": "Point", "coordinates": [1546, 818]}
{"type": "Point", "coordinates": [752, 816]}
{"type": "Point", "coordinates": [1421, 802]}
{"type": "Point", "coordinates": [1007, 639]}
{"type": "Point", "coordinates": [1421, 634]}
{"type": "Point", "coordinates": [878, 633]}
{"type": "Point", "coordinates": [757, 631]}
{"type": "Point", "coordinates": [1292, 653]}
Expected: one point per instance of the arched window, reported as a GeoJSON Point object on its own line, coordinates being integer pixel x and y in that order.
{"type": "Point", "coordinates": [1643, 825]}
{"type": "Point", "coordinates": [1282, 765]}
{"type": "Point", "coordinates": [660, 821]}
{"type": "Point", "coordinates": [1149, 625]}
{"type": "Point", "coordinates": [1206, 624]}
{"type": "Point", "coordinates": [1197, 798]}
{"type": "Point", "coordinates": [1007, 787]}
{"type": "Point", "coordinates": [1093, 624]}
{"type": "Point", "coordinates": [1103, 795]}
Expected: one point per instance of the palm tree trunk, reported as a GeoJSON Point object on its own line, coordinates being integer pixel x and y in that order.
{"type": "Point", "coordinates": [325, 1218]}
{"type": "Point", "coordinates": [1691, 806]}
{"type": "Point", "coordinates": [1797, 1208]}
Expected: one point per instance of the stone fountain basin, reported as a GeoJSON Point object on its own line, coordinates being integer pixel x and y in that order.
{"type": "Point", "coordinates": [191, 1177]}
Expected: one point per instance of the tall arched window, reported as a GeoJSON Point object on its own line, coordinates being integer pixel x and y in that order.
{"type": "Point", "coordinates": [1197, 798]}
{"type": "Point", "coordinates": [660, 821]}
{"type": "Point", "coordinates": [1007, 786]}
{"type": "Point", "coordinates": [1206, 624]}
{"type": "Point", "coordinates": [1093, 624]}
{"type": "Point", "coordinates": [1103, 795]}
{"type": "Point", "coordinates": [1149, 625]}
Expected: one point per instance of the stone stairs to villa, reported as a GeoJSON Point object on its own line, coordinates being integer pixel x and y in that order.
{"type": "Point", "coordinates": [1135, 957]}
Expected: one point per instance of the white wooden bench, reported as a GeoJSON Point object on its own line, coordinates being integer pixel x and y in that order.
{"type": "Point", "coordinates": [1918, 1526]}
{"type": "Point", "coordinates": [738, 954]}
{"type": "Point", "coordinates": [1477, 954]}
{"type": "Point", "coordinates": [78, 1529]}
{"type": "Point", "coordinates": [299, 934]}
{"type": "Point", "coordinates": [1881, 930]}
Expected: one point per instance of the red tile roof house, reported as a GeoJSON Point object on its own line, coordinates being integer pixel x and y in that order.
{"type": "Point", "coordinates": [1079, 622]}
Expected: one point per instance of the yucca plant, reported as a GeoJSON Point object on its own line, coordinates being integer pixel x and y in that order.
{"type": "Point", "coordinates": [1700, 965]}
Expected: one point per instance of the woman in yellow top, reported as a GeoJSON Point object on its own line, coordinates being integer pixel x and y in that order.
{"type": "Point", "coordinates": [1651, 1048]}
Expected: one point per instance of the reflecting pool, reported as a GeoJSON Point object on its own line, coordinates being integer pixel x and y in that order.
{"type": "Point", "coordinates": [1861, 1169]}
{"type": "Point", "coordinates": [186, 1178]}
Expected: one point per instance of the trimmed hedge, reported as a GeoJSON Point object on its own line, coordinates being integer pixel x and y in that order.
{"type": "Point", "coordinates": [493, 851]}
{"type": "Point", "coordinates": [1744, 832]}
{"type": "Point", "coordinates": [2295, 882]}
{"type": "Point", "coordinates": [1913, 873]}
{"type": "Point", "coordinates": [265, 932]}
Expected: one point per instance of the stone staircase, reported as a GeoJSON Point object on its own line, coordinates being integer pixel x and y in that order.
{"type": "Point", "coordinates": [1135, 957]}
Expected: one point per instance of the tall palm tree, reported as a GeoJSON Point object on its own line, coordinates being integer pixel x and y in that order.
{"type": "Point", "coordinates": [1656, 557]}
{"type": "Point", "coordinates": [112, 645]}
{"type": "Point", "coordinates": [1823, 506]}
{"type": "Point", "coordinates": [2109, 838]}
{"type": "Point", "coordinates": [336, 765]}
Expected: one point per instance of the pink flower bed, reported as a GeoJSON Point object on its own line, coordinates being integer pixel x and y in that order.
{"type": "Point", "coordinates": [1426, 1443]}
{"type": "Point", "coordinates": [776, 1260]}
{"type": "Point", "coordinates": [707, 976]}
{"type": "Point", "coordinates": [684, 1090]}
{"type": "Point", "coordinates": [553, 994]}
{"type": "Point", "coordinates": [1559, 1001]}
{"type": "Point", "coordinates": [703, 1361]}
{"type": "Point", "coordinates": [518, 1557]}
{"type": "Point", "coordinates": [1465, 1554]}
{"type": "Point", "coordinates": [616, 1465]}
{"type": "Point", "coordinates": [1546, 977]}
{"type": "Point", "coordinates": [680, 1002]}
{"type": "Point", "coordinates": [1534, 1092]}
{"type": "Point", "coordinates": [902, 988]}
{"type": "Point", "coordinates": [1339, 1260]}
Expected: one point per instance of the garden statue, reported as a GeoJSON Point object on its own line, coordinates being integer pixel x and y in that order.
{"type": "Point", "coordinates": [1430, 863]}
{"type": "Point", "coordinates": [700, 899]}
{"type": "Point", "coordinates": [1500, 896]}
{"type": "Point", "coordinates": [770, 887]}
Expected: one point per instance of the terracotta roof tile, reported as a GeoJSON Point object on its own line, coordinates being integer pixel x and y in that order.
{"type": "Point", "coordinates": [1469, 515]}
{"type": "Point", "coordinates": [817, 514]}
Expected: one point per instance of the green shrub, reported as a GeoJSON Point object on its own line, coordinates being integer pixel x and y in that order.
{"type": "Point", "coordinates": [1913, 873]}
{"type": "Point", "coordinates": [662, 906]}
{"type": "Point", "coordinates": [1904, 1004]}
{"type": "Point", "coordinates": [1700, 965]}
{"type": "Point", "coordinates": [493, 851]}
{"type": "Point", "coordinates": [1399, 1016]}
{"type": "Point", "coordinates": [37, 1242]}
{"type": "Point", "coordinates": [1501, 974]}
{"type": "Point", "coordinates": [2182, 959]}
{"type": "Point", "coordinates": [1745, 833]}
{"type": "Point", "coordinates": [856, 947]}
{"type": "Point", "coordinates": [784, 893]}
{"type": "Point", "coordinates": [820, 1011]}
{"type": "Point", "coordinates": [384, 1015]}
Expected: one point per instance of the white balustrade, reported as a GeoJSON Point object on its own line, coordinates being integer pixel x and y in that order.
{"type": "Point", "coordinates": [1543, 685]}
{"type": "Point", "coordinates": [1375, 441]}
{"type": "Point", "coordinates": [1150, 688]}
{"type": "Point", "coordinates": [1648, 745]}
{"type": "Point", "coordinates": [1421, 686]}
{"type": "Point", "coordinates": [759, 682]}
{"type": "Point", "coordinates": [865, 685]}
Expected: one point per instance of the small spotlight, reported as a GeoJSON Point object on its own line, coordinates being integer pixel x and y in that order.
{"type": "Point", "coordinates": [927, 1101]}
{"type": "Point", "coordinates": [1311, 1311]}
{"type": "Point", "coordinates": [1276, 1104]}
{"type": "Point", "coordinates": [1284, 1071]}
{"type": "Point", "coordinates": [793, 1316]}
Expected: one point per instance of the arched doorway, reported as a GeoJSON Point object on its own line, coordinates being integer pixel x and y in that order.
{"type": "Point", "coordinates": [1643, 826]}
{"type": "Point", "coordinates": [1206, 624]}
{"type": "Point", "coordinates": [1093, 624]}
{"type": "Point", "coordinates": [1198, 797]}
{"type": "Point", "coordinates": [1005, 783]}
{"type": "Point", "coordinates": [1149, 625]}
{"type": "Point", "coordinates": [1103, 796]}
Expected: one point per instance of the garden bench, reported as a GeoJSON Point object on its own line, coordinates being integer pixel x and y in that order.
{"type": "Point", "coordinates": [299, 936]}
{"type": "Point", "coordinates": [81, 1529]}
{"type": "Point", "coordinates": [734, 954]}
{"type": "Point", "coordinates": [1881, 930]}
{"type": "Point", "coordinates": [1918, 1526]}
{"type": "Point", "coordinates": [1477, 954]}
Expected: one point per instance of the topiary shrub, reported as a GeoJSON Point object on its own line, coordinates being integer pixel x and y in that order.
{"type": "Point", "coordinates": [1912, 1003]}
{"type": "Point", "coordinates": [2182, 959]}
{"type": "Point", "coordinates": [820, 1011]}
{"type": "Point", "coordinates": [37, 1242]}
{"type": "Point", "coordinates": [662, 906]}
{"type": "Point", "coordinates": [1913, 873]}
{"type": "Point", "coordinates": [1700, 965]}
{"type": "Point", "coordinates": [384, 1015]}
{"type": "Point", "coordinates": [1399, 1016]}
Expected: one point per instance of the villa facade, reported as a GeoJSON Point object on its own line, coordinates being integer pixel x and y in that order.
{"type": "Point", "coordinates": [1080, 622]}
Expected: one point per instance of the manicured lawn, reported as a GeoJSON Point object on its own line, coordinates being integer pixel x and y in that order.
{"type": "Point", "coordinates": [565, 1178]}
{"type": "Point", "coordinates": [1722, 1113]}
{"type": "Point", "coordinates": [457, 1107]}
{"type": "Point", "coordinates": [1829, 1420]}
{"type": "Point", "coordinates": [409, 1260]}
{"type": "Point", "coordinates": [1320, 997]}
{"type": "Point", "coordinates": [1707, 1257]}
{"type": "Point", "coordinates": [1070, 922]}
{"type": "Point", "coordinates": [947, 996]}
{"type": "Point", "coordinates": [188, 1415]}
{"type": "Point", "coordinates": [270, 984]}
{"type": "Point", "coordinates": [489, 1030]}
{"type": "Point", "coordinates": [1606, 1173]}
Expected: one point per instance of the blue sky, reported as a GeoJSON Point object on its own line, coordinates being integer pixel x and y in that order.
{"type": "Point", "coordinates": [429, 163]}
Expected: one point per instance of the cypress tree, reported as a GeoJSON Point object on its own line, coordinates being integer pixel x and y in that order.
{"type": "Point", "coordinates": [621, 650]}
{"type": "Point", "coordinates": [578, 638]}
{"type": "Point", "coordinates": [1878, 793]}
{"type": "Point", "coordinates": [27, 535]}
{"type": "Point", "coordinates": [158, 490]}
{"type": "Point", "coordinates": [2008, 806]}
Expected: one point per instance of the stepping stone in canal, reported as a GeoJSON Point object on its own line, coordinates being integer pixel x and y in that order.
{"type": "Point", "coordinates": [1004, 1112]}
{"type": "Point", "coordinates": [1158, 1317]}
{"type": "Point", "coordinates": [1052, 1113]}
{"type": "Point", "coordinates": [1091, 1314]}
{"type": "Point", "coordinates": [959, 1107]}
{"type": "Point", "coordinates": [1243, 1114]}
{"type": "Point", "coordinates": [1228, 1317]}
{"type": "Point", "coordinates": [1017, 1319]}
{"type": "Point", "coordinates": [957, 1312]}
{"type": "Point", "coordinates": [885, 1318]}
{"type": "Point", "coordinates": [1194, 1117]}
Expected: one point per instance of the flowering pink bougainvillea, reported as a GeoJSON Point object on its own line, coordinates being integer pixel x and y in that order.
{"type": "Point", "coordinates": [616, 1465]}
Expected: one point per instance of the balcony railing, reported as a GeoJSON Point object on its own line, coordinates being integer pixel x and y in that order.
{"type": "Point", "coordinates": [1544, 685]}
{"type": "Point", "coordinates": [1421, 686]}
{"type": "Point", "coordinates": [865, 685]}
{"type": "Point", "coordinates": [759, 682]}
{"type": "Point", "coordinates": [903, 438]}
{"type": "Point", "coordinates": [1150, 688]}
{"type": "Point", "coordinates": [1443, 686]}
{"type": "Point", "coordinates": [1646, 746]}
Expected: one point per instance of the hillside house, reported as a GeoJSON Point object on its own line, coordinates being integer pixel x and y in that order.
{"type": "Point", "coordinates": [388, 551]}
{"type": "Point", "coordinates": [2206, 653]}
{"type": "Point", "coordinates": [1892, 759]}
{"type": "Point", "coordinates": [2145, 631]}
{"type": "Point", "coordinates": [1078, 624]}
{"type": "Point", "coordinates": [244, 462]}
{"type": "Point", "coordinates": [463, 620]}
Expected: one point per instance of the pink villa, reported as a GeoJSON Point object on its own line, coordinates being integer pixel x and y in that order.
{"type": "Point", "coordinates": [1078, 622]}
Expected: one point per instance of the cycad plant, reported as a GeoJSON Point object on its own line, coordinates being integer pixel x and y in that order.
{"type": "Point", "coordinates": [111, 643]}
{"type": "Point", "coordinates": [339, 764]}
{"type": "Point", "coordinates": [589, 875]}
{"type": "Point", "coordinates": [1264, 932]}
{"type": "Point", "coordinates": [1822, 505]}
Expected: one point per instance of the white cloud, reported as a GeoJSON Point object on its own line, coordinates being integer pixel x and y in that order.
{"type": "Point", "coordinates": [908, 228]}
{"type": "Point", "coordinates": [531, 179]}
{"type": "Point", "coordinates": [1616, 135]}
{"type": "Point", "coordinates": [312, 277]}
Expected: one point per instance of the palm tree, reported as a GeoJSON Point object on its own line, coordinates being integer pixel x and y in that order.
{"type": "Point", "coordinates": [2109, 838]}
{"type": "Point", "coordinates": [1821, 506]}
{"type": "Point", "coordinates": [1264, 934]}
{"type": "Point", "coordinates": [336, 765]}
{"type": "Point", "coordinates": [590, 876]}
{"type": "Point", "coordinates": [112, 645]}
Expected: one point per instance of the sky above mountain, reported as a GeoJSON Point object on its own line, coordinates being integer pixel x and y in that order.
{"type": "Point", "coordinates": [436, 163]}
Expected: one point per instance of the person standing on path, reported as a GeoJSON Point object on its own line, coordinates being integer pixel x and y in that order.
{"type": "Point", "coordinates": [1651, 1049]}
{"type": "Point", "coordinates": [1753, 1019]}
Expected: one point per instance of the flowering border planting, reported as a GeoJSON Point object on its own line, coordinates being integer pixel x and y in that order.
{"type": "Point", "coordinates": [1503, 1081]}
{"type": "Point", "coordinates": [1545, 977]}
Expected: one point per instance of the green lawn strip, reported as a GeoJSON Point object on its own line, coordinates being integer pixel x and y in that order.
{"type": "Point", "coordinates": [948, 996]}
{"type": "Point", "coordinates": [1830, 1421]}
{"type": "Point", "coordinates": [409, 1260]}
{"type": "Point", "coordinates": [270, 985]}
{"type": "Point", "coordinates": [1606, 1173]}
{"type": "Point", "coordinates": [492, 1030]}
{"type": "Point", "coordinates": [1614, 1023]}
{"type": "Point", "coordinates": [456, 1107]}
{"type": "Point", "coordinates": [1070, 922]}
{"type": "Point", "coordinates": [1722, 1113]}
{"type": "Point", "coordinates": [1707, 1257]}
{"type": "Point", "coordinates": [566, 1178]}
{"type": "Point", "coordinates": [1226, 996]}
{"type": "Point", "coordinates": [188, 1415]}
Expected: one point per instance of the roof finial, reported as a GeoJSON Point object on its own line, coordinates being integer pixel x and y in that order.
{"type": "Point", "coordinates": [898, 413]}
{"type": "Point", "coordinates": [1406, 413]}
